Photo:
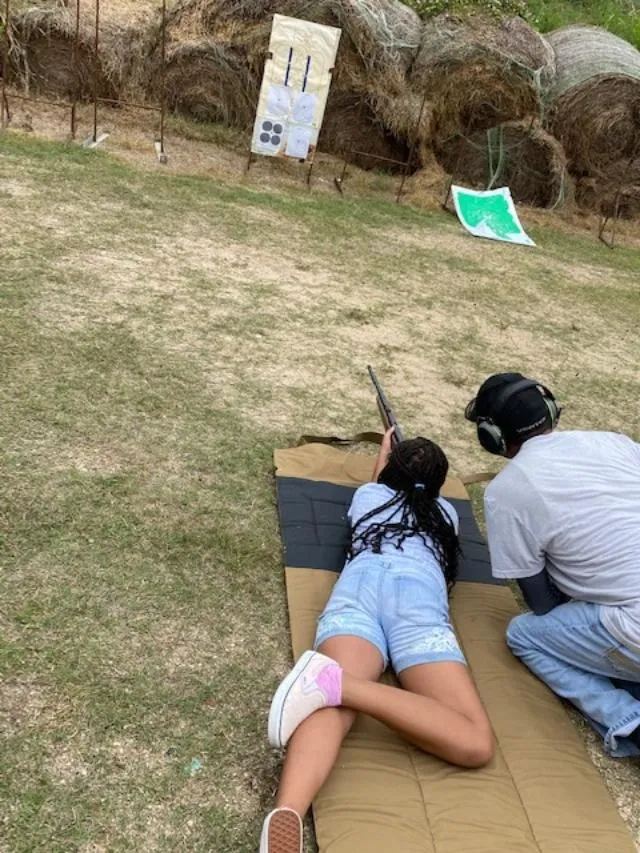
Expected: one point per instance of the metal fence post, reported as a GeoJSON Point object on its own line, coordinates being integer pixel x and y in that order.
{"type": "Point", "coordinates": [4, 106]}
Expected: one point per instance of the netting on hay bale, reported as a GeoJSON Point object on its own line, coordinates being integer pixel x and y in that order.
{"type": "Point", "coordinates": [44, 56]}
{"type": "Point", "coordinates": [384, 33]}
{"type": "Point", "coordinates": [479, 73]}
{"type": "Point", "coordinates": [200, 58]}
{"type": "Point", "coordinates": [596, 98]}
{"type": "Point", "coordinates": [520, 155]}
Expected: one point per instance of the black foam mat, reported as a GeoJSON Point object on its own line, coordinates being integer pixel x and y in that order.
{"type": "Point", "coordinates": [315, 530]}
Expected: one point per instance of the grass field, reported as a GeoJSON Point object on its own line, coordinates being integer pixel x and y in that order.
{"type": "Point", "coordinates": [160, 335]}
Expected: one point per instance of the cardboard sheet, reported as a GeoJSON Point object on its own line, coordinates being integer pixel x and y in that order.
{"type": "Point", "coordinates": [541, 793]}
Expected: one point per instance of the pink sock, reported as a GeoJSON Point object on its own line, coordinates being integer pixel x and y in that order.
{"type": "Point", "coordinates": [329, 680]}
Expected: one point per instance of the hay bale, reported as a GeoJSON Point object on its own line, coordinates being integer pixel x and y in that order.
{"type": "Point", "coordinates": [385, 34]}
{"type": "Point", "coordinates": [406, 114]}
{"type": "Point", "coordinates": [617, 188]}
{"type": "Point", "coordinates": [204, 35]}
{"type": "Point", "coordinates": [428, 185]}
{"type": "Point", "coordinates": [596, 98]}
{"type": "Point", "coordinates": [352, 130]}
{"type": "Point", "coordinates": [211, 82]}
{"type": "Point", "coordinates": [479, 73]}
{"type": "Point", "coordinates": [42, 58]}
{"type": "Point", "coordinates": [520, 155]}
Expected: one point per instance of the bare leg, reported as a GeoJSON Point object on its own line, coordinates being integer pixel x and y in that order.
{"type": "Point", "coordinates": [438, 710]}
{"type": "Point", "coordinates": [314, 746]}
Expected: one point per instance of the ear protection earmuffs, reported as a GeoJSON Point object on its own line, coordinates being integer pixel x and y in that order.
{"type": "Point", "coordinates": [490, 435]}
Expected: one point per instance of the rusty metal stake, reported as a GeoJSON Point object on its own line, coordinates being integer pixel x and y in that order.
{"type": "Point", "coordinates": [412, 150]}
{"type": "Point", "coordinates": [309, 171]}
{"type": "Point", "coordinates": [338, 182]}
{"type": "Point", "coordinates": [95, 73]}
{"type": "Point", "coordinates": [445, 203]}
{"type": "Point", "coordinates": [4, 104]}
{"type": "Point", "coordinates": [616, 201]}
{"type": "Point", "coordinates": [163, 84]}
{"type": "Point", "coordinates": [76, 72]}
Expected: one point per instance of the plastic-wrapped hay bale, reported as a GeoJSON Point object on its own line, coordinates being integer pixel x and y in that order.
{"type": "Point", "coordinates": [596, 97]}
{"type": "Point", "coordinates": [42, 57]}
{"type": "Point", "coordinates": [479, 73]}
{"type": "Point", "coordinates": [520, 155]}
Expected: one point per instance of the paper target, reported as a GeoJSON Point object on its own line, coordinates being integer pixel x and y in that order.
{"type": "Point", "coordinates": [295, 87]}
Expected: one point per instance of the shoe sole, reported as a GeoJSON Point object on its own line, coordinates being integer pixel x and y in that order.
{"type": "Point", "coordinates": [277, 704]}
{"type": "Point", "coordinates": [282, 833]}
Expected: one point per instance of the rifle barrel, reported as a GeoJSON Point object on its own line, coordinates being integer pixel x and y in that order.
{"type": "Point", "coordinates": [385, 407]}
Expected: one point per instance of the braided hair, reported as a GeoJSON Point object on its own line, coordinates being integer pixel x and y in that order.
{"type": "Point", "coordinates": [416, 470]}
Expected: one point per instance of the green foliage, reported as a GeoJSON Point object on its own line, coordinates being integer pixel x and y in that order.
{"type": "Point", "coordinates": [495, 8]}
{"type": "Point", "coordinates": [621, 17]}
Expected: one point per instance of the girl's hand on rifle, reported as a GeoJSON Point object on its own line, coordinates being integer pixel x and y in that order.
{"type": "Point", "coordinates": [387, 442]}
{"type": "Point", "coordinates": [383, 453]}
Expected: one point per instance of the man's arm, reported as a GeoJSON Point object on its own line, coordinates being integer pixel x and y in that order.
{"type": "Point", "coordinates": [540, 593]}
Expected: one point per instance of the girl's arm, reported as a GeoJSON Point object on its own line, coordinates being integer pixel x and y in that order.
{"type": "Point", "coordinates": [383, 455]}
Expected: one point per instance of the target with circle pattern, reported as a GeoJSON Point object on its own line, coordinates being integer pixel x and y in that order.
{"type": "Point", "coordinates": [295, 86]}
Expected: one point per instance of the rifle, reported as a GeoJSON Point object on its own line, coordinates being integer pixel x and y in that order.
{"type": "Point", "coordinates": [386, 412]}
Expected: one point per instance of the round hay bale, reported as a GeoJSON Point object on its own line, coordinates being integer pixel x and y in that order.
{"type": "Point", "coordinates": [44, 58]}
{"type": "Point", "coordinates": [243, 23]}
{"type": "Point", "coordinates": [406, 114]}
{"type": "Point", "coordinates": [211, 82]}
{"type": "Point", "coordinates": [520, 155]}
{"type": "Point", "coordinates": [239, 32]}
{"type": "Point", "coordinates": [480, 73]}
{"type": "Point", "coordinates": [428, 185]}
{"type": "Point", "coordinates": [352, 130]}
{"type": "Point", "coordinates": [596, 97]}
{"type": "Point", "coordinates": [385, 33]}
{"type": "Point", "coordinates": [616, 191]}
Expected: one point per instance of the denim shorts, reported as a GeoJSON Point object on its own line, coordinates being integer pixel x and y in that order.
{"type": "Point", "coordinates": [396, 604]}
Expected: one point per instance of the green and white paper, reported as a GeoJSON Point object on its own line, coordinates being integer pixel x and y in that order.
{"type": "Point", "coordinates": [491, 214]}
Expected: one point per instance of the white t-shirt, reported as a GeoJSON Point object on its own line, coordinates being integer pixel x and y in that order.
{"type": "Point", "coordinates": [373, 495]}
{"type": "Point", "coordinates": [570, 502]}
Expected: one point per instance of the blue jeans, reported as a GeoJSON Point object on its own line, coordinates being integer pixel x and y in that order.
{"type": "Point", "coordinates": [574, 654]}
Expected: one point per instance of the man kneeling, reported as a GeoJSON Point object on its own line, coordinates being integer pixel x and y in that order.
{"type": "Point", "coordinates": [563, 518]}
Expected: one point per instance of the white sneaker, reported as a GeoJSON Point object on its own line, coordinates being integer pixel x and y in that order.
{"type": "Point", "coordinates": [281, 832]}
{"type": "Point", "coordinates": [315, 682]}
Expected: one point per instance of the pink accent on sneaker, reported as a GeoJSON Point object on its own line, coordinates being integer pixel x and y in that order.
{"type": "Point", "coordinates": [315, 682]}
{"type": "Point", "coordinates": [329, 680]}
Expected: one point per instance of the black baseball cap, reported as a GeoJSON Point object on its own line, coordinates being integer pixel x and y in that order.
{"type": "Point", "coordinates": [519, 414]}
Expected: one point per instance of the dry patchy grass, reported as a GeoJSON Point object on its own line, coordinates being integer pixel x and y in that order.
{"type": "Point", "coordinates": [161, 335]}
